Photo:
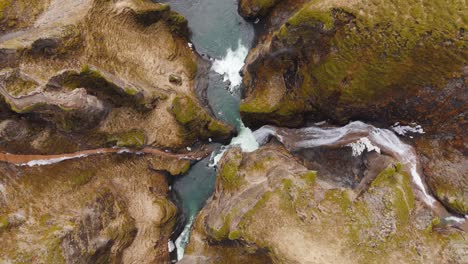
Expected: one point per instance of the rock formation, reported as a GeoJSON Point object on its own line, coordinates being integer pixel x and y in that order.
{"type": "Point", "coordinates": [106, 68]}
{"type": "Point", "coordinates": [375, 61]}
{"type": "Point", "coordinates": [268, 208]}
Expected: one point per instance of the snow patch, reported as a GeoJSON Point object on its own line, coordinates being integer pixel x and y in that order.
{"type": "Point", "coordinates": [361, 145]}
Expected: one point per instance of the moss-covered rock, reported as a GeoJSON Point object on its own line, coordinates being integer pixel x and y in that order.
{"type": "Point", "coordinates": [228, 170]}
{"type": "Point", "coordinates": [255, 8]}
{"type": "Point", "coordinates": [19, 13]}
{"type": "Point", "coordinates": [445, 170]}
{"type": "Point", "coordinates": [131, 139]}
{"type": "Point", "coordinates": [197, 121]}
{"type": "Point", "coordinates": [128, 56]}
{"type": "Point", "coordinates": [361, 59]}
{"type": "Point", "coordinates": [281, 209]}
{"type": "Point", "coordinates": [89, 211]}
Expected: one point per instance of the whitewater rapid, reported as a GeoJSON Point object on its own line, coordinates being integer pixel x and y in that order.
{"type": "Point", "coordinates": [359, 136]}
{"type": "Point", "coordinates": [230, 65]}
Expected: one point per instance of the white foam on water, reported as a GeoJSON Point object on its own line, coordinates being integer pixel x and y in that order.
{"type": "Point", "coordinates": [361, 145]}
{"type": "Point", "coordinates": [216, 157]}
{"type": "Point", "coordinates": [245, 139]}
{"type": "Point", "coordinates": [456, 219]}
{"type": "Point", "coordinates": [44, 162]}
{"type": "Point", "coordinates": [183, 239]}
{"type": "Point", "coordinates": [231, 64]}
{"type": "Point", "coordinates": [123, 151]}
{"type": "Point", "coordinates": [170, 246]}
{"type": "Point", "coordinates": [403, 130]}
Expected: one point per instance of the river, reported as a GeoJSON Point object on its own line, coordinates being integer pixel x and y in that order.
{"type": "Point", "coordinates": [220, 35]}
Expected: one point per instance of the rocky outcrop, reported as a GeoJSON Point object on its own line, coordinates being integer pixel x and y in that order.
{"type": "Point", "coordinates": [98, 71]}
{"type": "Point", "coordinates": [358, 60]}
{"type": "Point", "coordinates": [376, 61]}
{"type": "Point", "coordinates": [107, 88]}
{"type": "Point", "coordinates": [58, 107]}
{"type": "Point", "coordinates": [104, 208]}
{"type": "Point", "coordinates": [266, 204]}
{"type": "Point", "coordinates": [256, 8]}
{"type": "Point", "coordinates": [445, 167]}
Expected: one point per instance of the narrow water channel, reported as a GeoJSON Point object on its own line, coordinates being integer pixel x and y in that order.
{"type": "Point", "coordinates": [220, 35]}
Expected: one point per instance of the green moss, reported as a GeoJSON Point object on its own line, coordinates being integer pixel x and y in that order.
{"type": "Point", "coordinates": [236, 234]}
{"type": "Point", "coordinates": [191, 67]}
{"type": "Point", "coordinates": [231, 181]}
{"type": "Point", "coordinates": [177, 23]}
{"type": "Point", "coordinates": [131, 139]}
{"type": "Point", "coordinates": [223, 232]}
{"type": "Point", "coordinates": [310, 177]}
{"type": "Point", "coordinates": [309, 16]}
{"type": "Point", "coordinates": [185, 168]}
{"type": "Point", "coordinates": [401, 197]}
{"type": "Point", "coordinates": [390, 49]}
{"type": "Point", "coordinates": [54, 252]}
{"type": "Point", "coordinates": [434, 222]}
{"type": "Point", "coordinates": [96, 83]}
{"type": "Point", "coordinates": [338, 198]}
{"type": "Point", "coordinates": [131, 91]}
{"type": "Point", "coordinates": [287, 184]}
{"type": "Point", "coordinates": [82, 178]}
{"type": "Point", "coordinates": [4, 223]}
{"type": "Point", "coordinates": [196, 120]}
{"type": "Point", "coordinates": [184, 109]}
{"type": "Point", "coordinates": [4, 4]}
{"type": "Point", "coordinates": [216, 127]}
